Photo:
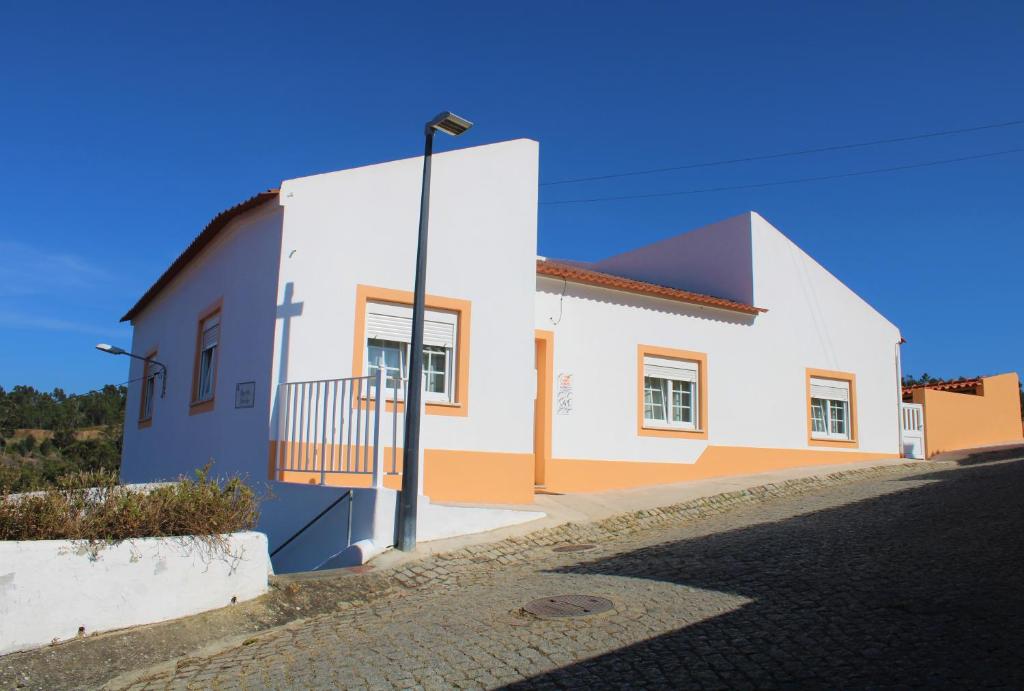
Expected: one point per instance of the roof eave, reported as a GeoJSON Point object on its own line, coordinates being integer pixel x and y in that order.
{"type": "Point", "coordinates": [575, 274]}
{"type": "Point", "coordinates": [195, 248]}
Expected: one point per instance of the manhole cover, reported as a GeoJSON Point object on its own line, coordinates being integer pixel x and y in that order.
{"type": "Point", "coordinates": [573, 548]}
{"type": "Point", "coordinates": [568, 606]}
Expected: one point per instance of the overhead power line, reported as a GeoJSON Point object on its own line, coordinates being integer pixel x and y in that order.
{"type": "Point", "coordinates": [794, 181]}
{"type": "Point", "coordinates": [801, 152]}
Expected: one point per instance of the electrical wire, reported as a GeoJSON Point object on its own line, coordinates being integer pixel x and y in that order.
{"type": "Point", "coordinates": [801, 152]}
{"type": "Point", "coordinates": [793, 181]}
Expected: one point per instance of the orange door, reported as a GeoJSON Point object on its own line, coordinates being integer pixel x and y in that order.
{"type": "Point", "coordinates": [543, 357]}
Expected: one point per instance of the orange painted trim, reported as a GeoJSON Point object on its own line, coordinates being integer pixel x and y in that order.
{"type": "Point", "coordinates": [544, 353]}
{"type": "Point", "coordinates": [365, 293]}
{"type": "Point", "coordinates": [581, 475]}
{"type": "Point", "coordinates": [478, 476]}
{"type": "Point", "coordinates": [458, 476]}
{"type": "Point", "coordinates": [196, 407]}
{"type": "Point", "coordinates": [702, 393]}
{"type": "Point", "coordinates": [851, 379]}
{"type": "Point", "coordinates": [145, 422]}
{"type": "Point", "coordinates": [303, 466]}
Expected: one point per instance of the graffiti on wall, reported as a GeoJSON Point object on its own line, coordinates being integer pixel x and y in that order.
{"type": "Point", "coordinates": [563, 397]}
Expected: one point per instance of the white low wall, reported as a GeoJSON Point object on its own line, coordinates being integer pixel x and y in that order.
{"type": "Point", "coordinates": [440, 521]}
{"type": "Point", "coordinates": [50, 590]}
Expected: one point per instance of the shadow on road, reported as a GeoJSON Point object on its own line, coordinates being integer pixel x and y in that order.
{"type": "Point", "coordinates": [1014, 452]}
{"type": "Point", "coordinates": [922, 586]}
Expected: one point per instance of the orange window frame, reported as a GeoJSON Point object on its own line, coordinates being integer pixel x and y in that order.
{"type": "Point", "coordinates": [195, 406]}
{"type": "Point", "coordinates": [702, 392]}
{"type": "Point", "coordinates": [851, 379]}
{"type": "Point", "coordinates": [463, 308]}
{"type": "Point", "coordinates": [146, 369]}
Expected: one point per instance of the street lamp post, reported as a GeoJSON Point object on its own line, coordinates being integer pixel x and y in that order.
{"type": "Point", "coordinates": [114, 350]}
{"type": "Point", "coordinates": [452, 124]}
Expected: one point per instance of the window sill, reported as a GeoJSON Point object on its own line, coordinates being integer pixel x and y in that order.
{"type": "Point", "coordinates": [826, 441]}
{"type": "Point", "coordinates": [430, 407]}
{"type": "Point", "coordinates": [669, 428]}
{"type": "Point", "coordinates": [401, 400]}
{"type": "Point", "coordinates": [673, 432]}
{"type": "Point", "coordinates": [199, 407]}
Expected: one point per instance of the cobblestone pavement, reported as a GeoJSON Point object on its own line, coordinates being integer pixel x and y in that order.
{"type": "Point", "coordinates": [903, 577]}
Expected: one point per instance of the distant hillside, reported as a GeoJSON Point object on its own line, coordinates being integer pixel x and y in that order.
{"type": "Point", "coordinates": [45, 436]}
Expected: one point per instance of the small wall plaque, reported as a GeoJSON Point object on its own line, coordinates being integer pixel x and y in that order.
{"type": "Point", "coordinates": [245, 394]}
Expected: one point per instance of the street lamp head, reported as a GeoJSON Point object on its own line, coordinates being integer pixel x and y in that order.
{"type": "Point", "coordinates": [449, 123]}
{"type": "Point", "coordinates": [113, 350]}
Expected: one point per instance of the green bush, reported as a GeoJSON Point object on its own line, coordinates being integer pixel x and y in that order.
{"type": "Point", "coordinates": [93, 507]}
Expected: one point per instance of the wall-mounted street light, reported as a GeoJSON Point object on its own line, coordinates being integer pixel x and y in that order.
{"type": "Point", "coordinates": [452, 124]}
{"type": "Point", "coordinates": [114, 350]}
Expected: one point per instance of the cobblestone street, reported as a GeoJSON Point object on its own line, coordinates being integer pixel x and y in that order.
{"type": "Point", "coordinates": [907, 577]}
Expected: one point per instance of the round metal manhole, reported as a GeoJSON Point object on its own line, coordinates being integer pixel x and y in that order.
{"type": "Point", "coordinates": [568, 606]}
{"type": "Point", "coordinates": [573, 548]}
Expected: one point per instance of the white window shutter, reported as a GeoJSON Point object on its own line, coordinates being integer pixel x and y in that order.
{"type": "Point", "coordinates": [437, 333]}
{"type": "Point", "coordinates": [210, 335]}
{"type": "Point", "coordinates": [394, 323]}
{"type": "Point", "coordinates": [830, 389]}
{"type": "Point", "coordinates": [387, 327]}
{"type": "Point", "coordinates": [665, 368]}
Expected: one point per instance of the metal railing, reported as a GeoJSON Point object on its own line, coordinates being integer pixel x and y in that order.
{"type": "Point", "coordinates": [333, 426]}
{"type": "Point", "coordinates": [347, 495]}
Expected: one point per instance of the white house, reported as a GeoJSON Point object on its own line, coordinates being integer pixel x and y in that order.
{"type": "Point", "coordinates": [720, 351]}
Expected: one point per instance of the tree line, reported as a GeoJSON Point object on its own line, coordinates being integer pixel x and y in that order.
{"type": "Point", "coordinates": [42, 440]}
{"type": "Point", "coordinates": [24, 407]}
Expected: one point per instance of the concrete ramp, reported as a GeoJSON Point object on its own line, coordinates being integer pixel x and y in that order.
{"type": "Point", "coordinates": [440, 521]}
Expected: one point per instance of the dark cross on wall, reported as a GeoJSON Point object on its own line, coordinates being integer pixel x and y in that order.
{"type": "Point", "coordinates": [286, 311]}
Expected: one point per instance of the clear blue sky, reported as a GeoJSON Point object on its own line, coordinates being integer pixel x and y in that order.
{"type": "Point", "coordinates": [124, 127]}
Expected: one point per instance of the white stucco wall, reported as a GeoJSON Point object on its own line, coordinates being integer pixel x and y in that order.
{"type": "Point", "coordinates": [359, 227]}
{"type": "Point", "coordinates": [50, 588]}
{"type": "Point", "coordinates": [714, 260]}
{"type": "Point", "coordinates": [240, 267]}
{"type": "Point", "coordinates": [817, 321]}
{"type": "Point", "coordinates": [756, 389]}
{"type": "Point", "coordinates": [287, 274]}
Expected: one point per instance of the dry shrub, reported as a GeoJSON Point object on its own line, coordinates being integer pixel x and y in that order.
{"type": "Point", "coordinates": [93, 507]}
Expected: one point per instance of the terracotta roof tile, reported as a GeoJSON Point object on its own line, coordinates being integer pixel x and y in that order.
{"type": "Point", "coordinates": [961, 384]}
{"type": "Point", "coordinates": [204, 238]}
{"type": "Point", "coordinates": [579, 274]}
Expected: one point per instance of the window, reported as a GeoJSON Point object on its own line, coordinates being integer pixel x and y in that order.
{"type": "Point", "coordinates": [149, 375]}
{"type": "Point", "coordinates": [388, 334]}
{"type": "Point", "coordinates": [204, 381]}
{"type": "Point", "coordinates": [830, 409]}
{"type": "Point", "coordinates": [394, 354]}
{"type": "Point", "coordinates": [670, 393]}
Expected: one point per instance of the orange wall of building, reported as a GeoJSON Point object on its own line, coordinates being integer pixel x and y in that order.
{"type": "Point", "coordinates": [448, 476]}
{"type": "Point", "coordinates": [578, 475]}
{"type": "Point", "coordinates": [483, 477]}
{"type": "Point", "coordinates": [961, 421]}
